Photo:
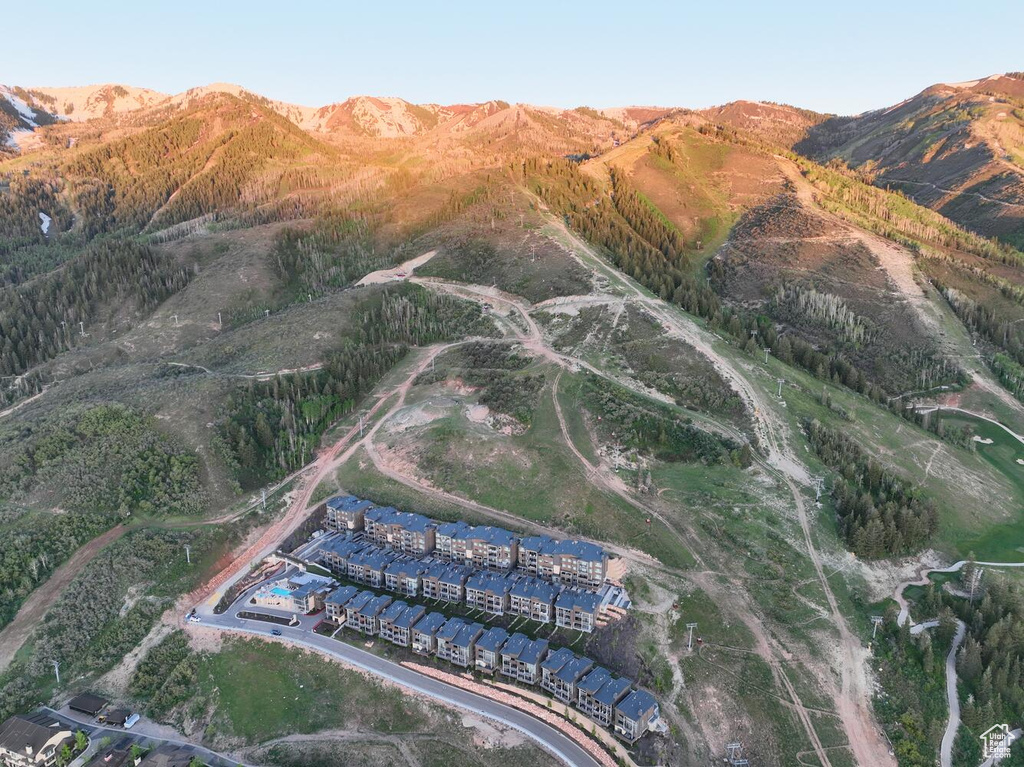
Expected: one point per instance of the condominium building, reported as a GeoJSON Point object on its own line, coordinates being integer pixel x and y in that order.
{"type": "Point", "coordinates": [598, 692]}
{"type": "Point", "coordinates": [533, 599]}
{"type": "Point", "coordinates": [577, 610]}
{"type": "Point", "coordinates": [521, 658]}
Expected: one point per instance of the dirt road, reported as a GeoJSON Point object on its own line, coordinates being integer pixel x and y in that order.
{"type": "Point", "coordinates": [39, 601]}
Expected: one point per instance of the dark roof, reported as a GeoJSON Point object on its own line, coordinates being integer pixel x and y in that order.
{"type": "Point", "coordinates": [595, 680]}
{"type": "Point", "coordinates": [497, 536]}
{"type": "Point", "coordinates": [372, 557]}
{"type": "Point", "coordinates": [636, 704]}
{"type": "Point", "coordinates": [457, 574]}
{"type": "Point", "coordinates": [574, 669]}
{"type": "Point", "coordinates": [534, 588]}
{"type": "Point", "coordinates": [547, 545]}
{"type": "Point", "coordinates": [468, 635]}
{"type": "Point", "coordinates": [87, 703]}
{"type": "Point", "coordinates": [341, 596]}
{"type": "Point", "coordinates": [348, 503]}
{"type": "Point", "coordinates": [487, 581]}
{"type": "Point", "coordinates": [430, 623]}
{"type": "Point", "coordinates": [492, 639]}
{"type": "Point", "coordinates": [376, 605]}
{"type": "Point", "coordinates": [117, 715]}
{"type": "Point", "coordinates": [453, 529]}
{"type": "Point", "coordinates": [405, 568]}
{"type": "Point", "coordinates": [359, 601]}
{"type": "Point", "coordinates": [584, 600]}
{"type": "Point", "coordinates": [111, 757]}
{"type": "Point", "coordinates": [410, 616]}
{"type": "Point", "coordinates": [167, 755]}
{"type": "Point", "coordinates": [557, 659]}
{"type": "Point", "coordinates": [451, 628]}
{"type": "Point", "coordinates": [389, 515]}
{"type": "Point", "coordinates": [344, 547]}
{"type": "Point", "coordinates": [394, 611]}
{"type": "Point", "coordinates": [612, 690]}
{"type": "Point", "coordinates": [28, 730]}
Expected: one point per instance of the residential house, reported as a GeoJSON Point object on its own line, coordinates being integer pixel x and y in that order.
{"type": "Point", "coordinates": [402, 630]}
{"type": "Point", "coordinates": [403, 576]}
{"type": "Point", "coordinates": [487, 547]}
{"type": "Point", "coordinates": [335, 554]}
{"type": "Point", "coordinates": [489, 591]}
{"type": "Point", "coordinates": [569, 562]}
{"type": "Point", "coordinates": [310, 596]}
{"type": "Point", "coordinates": [32, 740]}
{"type": "Point", "coordinates": [445, 537]}
{"type": "Point", "coordinates": [464, 644]}
{"type": "Point", "coordinates": [424, 633]}
{"type": "Point", "coordinates": [364, 611]}
{"type": "Point", "coordinates": [445, 637]}
{"type": "Point", "coordinates": [336, 602]}
{"type": "Point", "coordinates": [635, 714]}
{"type": "Point", "coordinates": [400, 530]}
{"type": "Point", "coordinates": [534, 599]}
{"type": "Point", "coordinates": [561, 671]}
{"type": "Point", "coordinates": [521, 658]}
{"type": "Point", "coordinates": [368, 566]}
{"type": "Point", "coordinates": [445, 582]}
{"type": "Point", "coordinates": [386, 621]}
{"type": "Point", "coordinates": [577, 610]}
{"type": "Point", "coordinates": [346, 513]}
{"type": "Point", "coordinates": [598, 692]}
{"type": "Point", "coordinates": [487, 654]}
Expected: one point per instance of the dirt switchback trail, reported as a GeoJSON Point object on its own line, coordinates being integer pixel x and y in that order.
{"type": "Point", "coordinates": [853, 699]}
{"type": "Point", "coordinates": [39, 601]}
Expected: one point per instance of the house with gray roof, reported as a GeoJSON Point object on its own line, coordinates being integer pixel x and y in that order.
{"type": "Point", "coordinates": [445, 637]}
{"type": "Point", "coordinates": [336, 601]}
{"type": "Point", "coordinates": [367, 614]}
{"type": "Point", "coordinates": [404, 575]}
{"type": "Point", "coordinates": [400, 530]}
{"type": "Point", "coordinates": [368, 566]}
{"type": "Point", "coordinates": [424, 633]}
{"type": "Point", "coordinates": [534, 599]}
{"type": "Point", "coordinates": [445, 582]}
{"type": "Point", "coordinates": [489, 591]}
{"type": "Point", "coordinates": [401, 632]}
{"type": "Point", "coordinates": [386, 621]}
{"type": "Point", "coordinates": [32, 740]}
{"type": "Point", "coordinates": [577, 610]}
{"type": "Point", "coordinates": [487, 653]}
{"type": "Point", "coordinates": [561, 671]}
{"type": "Point", "coordinates": [335, 554]}
{"type": "Point", "coordinates": [521, 658]}
{"type": "Point", "coordinates": [345, 513]}
{"type": "Point", "coordinates": [485, 546]}
{"type": "Point", "coordinates": [598, 692]}
{"type": "Point", "coordinates": [636, 714]}
{"type": "Point", "coordinates": [464, 644]}
{"type": "Point", "coordinates": [447, 534]}
{"type": "Point", "coordinates": [569, 562]}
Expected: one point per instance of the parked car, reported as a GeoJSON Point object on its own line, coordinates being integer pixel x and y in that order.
{"type": "Point", "coordinates": [130, 721]}
{"type": "Point", "coordinates": [276, 632]}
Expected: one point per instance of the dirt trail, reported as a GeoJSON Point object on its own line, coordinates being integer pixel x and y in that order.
{"type": "Point", "coordinates": [19, 405]}
{"type": "Point", "coordinates": [853, 698]}
{"type": "Point", "coordinates": [39, 601]}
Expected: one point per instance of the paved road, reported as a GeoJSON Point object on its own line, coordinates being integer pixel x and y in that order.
{"type": "Point", "coordinates": [946, 750]}
{"type": "Point", "coordinates": [92, 728]}
{"type": "Point", "coordinates": [544, 734]}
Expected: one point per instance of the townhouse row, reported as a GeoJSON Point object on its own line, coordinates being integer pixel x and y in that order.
{"type": "Point", "coordinates": [573, 679]}
{"type": "Point", "coordinates": [496, 593]}
{"type": "Point", "coordinates": [567, 562]}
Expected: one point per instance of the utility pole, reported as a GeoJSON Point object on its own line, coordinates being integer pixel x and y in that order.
{"type": "Point", "coordinates": [360, 427]}
{"type": "Point", "coordinates": [264, 494]}
{"type": "Point", "coordinates": [735, 757]}
{"type": "Point", "coordinates": [689, 640]}
{"type": "Point", "coordinates": [56, 669]}
{"type": "Point", "coordinates": [877, 620]}
{"type": "Point", "coordinates": [81, 328]}
{"type": "Point", "coordinates": [188, 554]}
{"type": "Point", "coordinates": [220, 325]}
{"type": "Point", "coordinates": [175, 320]}
{"type": "Point", "coordinates": [266, 312]}
{"type": "Point", "coordinates": [781, 381]}
{"type": "Point", "coordinates": [819, 485]}
{"type": "Point", "coordinates": [766, 350]}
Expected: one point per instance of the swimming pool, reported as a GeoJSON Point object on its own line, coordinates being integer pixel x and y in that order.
{"type": "Point", "coordinates": [277, 591]}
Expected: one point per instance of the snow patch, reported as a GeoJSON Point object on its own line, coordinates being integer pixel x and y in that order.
{"type": "Point", "coordinates": [13, 140]}
{"type": "Point", "coordinates": [44, 223]}
{"type": "Point", "coordinates": [26, 112]}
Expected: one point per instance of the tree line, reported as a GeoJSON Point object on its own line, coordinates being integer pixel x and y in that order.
{"type": "Point", "coordinates": [879, 513]}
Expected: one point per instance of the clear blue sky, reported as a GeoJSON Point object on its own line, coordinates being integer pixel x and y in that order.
{"type": "Point", "coordinates": [830, 56]}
